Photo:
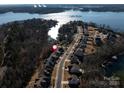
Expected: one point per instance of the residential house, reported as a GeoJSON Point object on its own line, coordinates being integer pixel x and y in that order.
{"type": "Point", "coordinates": [75, 69]}
{"type": "Point", "coordinates": [74, 82]}
{"type": "Point", "coordinates": [79, 53]}
{"type": "Point", "coordinates": [75, 60]}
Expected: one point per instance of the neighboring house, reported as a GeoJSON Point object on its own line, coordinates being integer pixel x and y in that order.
{"type": "Point", "coordinates": [58, 53]}
{"type": "Point", "coordinates": [45, 82]}
{"type": "Point", "coordinates": [47, 72]}
{"type": "Point", "coordinates": [50, 63]}
{"type": "Point", "coordinates": [98, 41]}
{"type": "Point", "coordinates": [75, 60]}
{"type": "Point", "coordinates": [54, 57]}
{"type": "Point", "coordinates": [84, 41]}
{"type": "Point", "coordinates": [82, 45]}
{"type": "Point", "coordinates": [75, 69]}
{"type": "Point", "coordinates": [111, 38]}
{"type": "Point", "coordinates": [49, 69]}
{"type": "Point", "coordinates": [79, 53]}
{"type": "Point", "coordinates": [74, 82]}
{"type": "Point", "coordinates": [61, 50]}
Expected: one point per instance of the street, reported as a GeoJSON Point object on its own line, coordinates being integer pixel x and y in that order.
{"type": "Point", "coordinates": [61, 64]}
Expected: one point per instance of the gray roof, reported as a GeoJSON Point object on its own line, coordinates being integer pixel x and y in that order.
{"type": "Point", "coordinates": [74, 80]}
{"type": "Point", "coordinates": [46, 72]}
{"type": "Point", "coordinates": [50, 63]}
{"type": "Point", "coordinates": [82, 45]}
{"type": "Point", "coordinates": [74, 59]}
{"type": "Point", "coordinates": [79, 52]}
{"type": "Point", "coordinates": [44, 77]}
{"type": "Point", "coordinates": [75, 69]}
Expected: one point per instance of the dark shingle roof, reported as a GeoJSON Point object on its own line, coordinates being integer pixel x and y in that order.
{"type": "Point", "coordinates": [75, 69]}
{"type": "Point", "coordinates": [74, 82]}
{"type": "Point", "coordinates": [79, 52]}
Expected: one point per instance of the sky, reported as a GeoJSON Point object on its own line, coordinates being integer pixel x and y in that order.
{"type": "Point", "coordinates": [61, 1]}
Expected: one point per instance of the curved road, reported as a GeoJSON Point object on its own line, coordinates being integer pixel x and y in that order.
{"type": "Point", "coordinates": [60, 69]}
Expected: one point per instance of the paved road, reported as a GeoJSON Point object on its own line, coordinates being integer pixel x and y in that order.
{"type": "Point", "coordinates": [61, 66]}
{"type": "Point", "coordinates": [60, 70]}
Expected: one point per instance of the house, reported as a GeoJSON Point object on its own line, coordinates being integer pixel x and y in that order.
{"type": "Point", "coordinates": [75, 60]}
{"type": "Point", "coordinates": [49, 69]}
{"type": "Point", "coordinates": [84, 41]}
{"type": "Point", "coordinates": [46, 77]}
{"type": "Point", "coordinates": [75, 69]}
{"type": "Point", "coordinates": [48, 66]}
{"type": "Point", "coordinates": [79, 54]}
{"type": "Point", "coordinates": [50, 63]}
{"type": "Point", "coordinates": [82, 45]}
{"type": "Point", "coordinates": [47, 73]}
{"type": "Point", "coordinates": [85, 38]}
{"type": "Point", "coordinates": [61, 50]}
{"type": "Point", "coordinates": [55, 56]}
{"type": "Point", "coordinates": [74, 82]}
{"type": "Point", "coordinates": [58, 53]}
{"type": "Point", "coordinates": [45, 82]}
{"type": "Point", "coordinates": [98, 41]}
{"type": "Point", "coordinates": [111, 38]}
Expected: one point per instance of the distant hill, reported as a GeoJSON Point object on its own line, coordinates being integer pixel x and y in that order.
{"type": "Point", "coordinates": [54, 8]}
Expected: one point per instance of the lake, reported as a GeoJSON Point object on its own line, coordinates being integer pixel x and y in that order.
{"type": "Point", "coordinates": [113, 19]}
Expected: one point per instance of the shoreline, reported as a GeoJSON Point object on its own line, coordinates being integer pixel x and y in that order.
{"type": "Point", "coordinates": [59, 11]}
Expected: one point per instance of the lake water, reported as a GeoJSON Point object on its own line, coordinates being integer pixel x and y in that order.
{"type": "Point", "coordinates": [113, 19]}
